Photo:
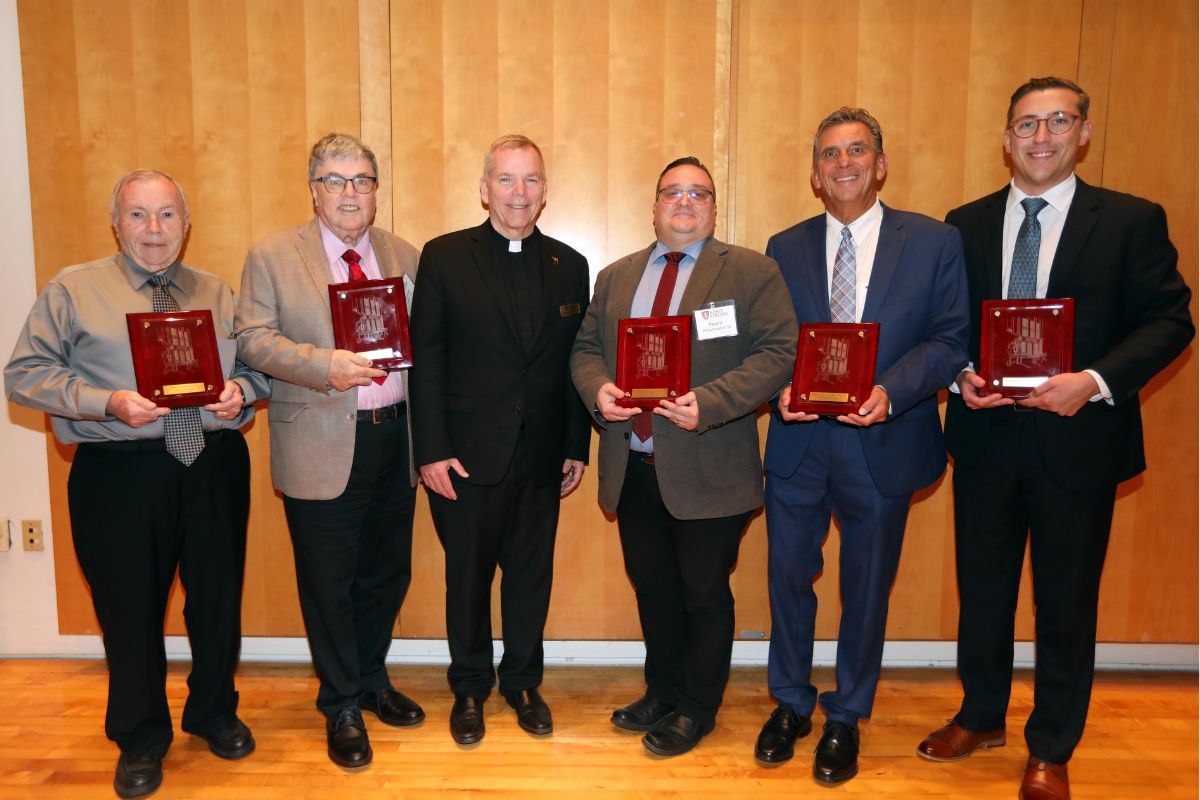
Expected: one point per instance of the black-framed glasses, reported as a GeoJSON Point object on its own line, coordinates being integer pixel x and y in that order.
{"type": "Point", "coordinates": [673, 195]}
{"type": "Point", "coordinates": [336, 184]}
{"type": "Point", "coordinates": [1057, 123]}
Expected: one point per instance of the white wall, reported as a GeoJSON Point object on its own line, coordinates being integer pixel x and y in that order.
{"type": "Point", "coordinates": [28, 609]}
{"type": "Point", "coordinates": [28, 613]}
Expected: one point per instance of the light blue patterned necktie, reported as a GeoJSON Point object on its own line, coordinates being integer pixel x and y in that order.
{"type": "Point", "coordinates": [1022, 276]}
{"type": "Point", "coordinates": [841, 294]}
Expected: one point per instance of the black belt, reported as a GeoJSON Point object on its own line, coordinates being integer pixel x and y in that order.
{"type": "Point", "coordinates": [386, 414]}
{"type": "Point", "coordinates": [149, 445]}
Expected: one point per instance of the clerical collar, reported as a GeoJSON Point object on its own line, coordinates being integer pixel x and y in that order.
{"type": "Point", "coordinates": [510, 245]}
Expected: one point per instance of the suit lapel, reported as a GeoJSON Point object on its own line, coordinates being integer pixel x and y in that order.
{"type": "Point", "coordinates": [991, 241]}
{"type": "Point", "coordinates": [887, 256]}
{"type": "Point", "coordinates": [482, 253]}
{"type": "Point", "coordinates": [623, 291]}
{"type": "Point", "coordinates": [312, 253]}
{"type": "Point", "coordinates": [389, 265]}
{"type": "Point", "coordinates": [704, 273]}
{"type": "Point", "coordinates": [818, 279]}
{"type": "Point", "coordinates": [1081, 218]}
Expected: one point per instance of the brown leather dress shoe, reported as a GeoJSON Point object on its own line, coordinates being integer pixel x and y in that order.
{"type": "Point", "coordinates": [954, 742]}
{"type": "Point", "coordinates": [1044, 781]}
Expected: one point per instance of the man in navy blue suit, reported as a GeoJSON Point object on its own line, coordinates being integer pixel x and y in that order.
{"type": "Point", "coordinates": [860, 261]}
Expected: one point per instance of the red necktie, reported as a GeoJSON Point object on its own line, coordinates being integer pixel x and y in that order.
{"type": "Point", "coordinates": [643, 423]}
{"type": "Point", "coordinates": [351, 257]}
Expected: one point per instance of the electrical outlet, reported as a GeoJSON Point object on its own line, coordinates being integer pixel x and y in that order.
{"type": "Point", "coordinates": [31, 534]}
{"type": "Point", "coordinates": [5, 536]}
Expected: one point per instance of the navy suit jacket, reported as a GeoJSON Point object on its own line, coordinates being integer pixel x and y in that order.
{"type": "Point", "coordinates": [918, 295]}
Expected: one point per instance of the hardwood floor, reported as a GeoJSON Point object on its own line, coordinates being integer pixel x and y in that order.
{"type": "Point", "coordinates": [1141, 742]}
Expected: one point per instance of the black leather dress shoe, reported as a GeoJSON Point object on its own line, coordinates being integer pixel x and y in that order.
{"type": "Point", "coordinates": [836, 759]}
{"type": "Point", "coordinates": [675, 735]}
{"type": "Point", "coordinates": [642, 715]}
{"type": "Point", "coordinates": [347, 735]}
{"type": "Point", "coordinates": [231, 740]}
{"type": "Point", "coordinates": [466, 719]}
{"type": "Point", "coordinates": [777, 739]}
{"type": "Point", "coordinates": [533, 715]}
{"type": "Point", "coordinates": [137, 775]}
{"type": "Point", "coordinates": [392, 708]}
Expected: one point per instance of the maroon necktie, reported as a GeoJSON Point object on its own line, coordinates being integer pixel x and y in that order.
{"type": "Point", "coordinates": [351, 257]}
{"type": "Point", "coordinates": [643, 423]}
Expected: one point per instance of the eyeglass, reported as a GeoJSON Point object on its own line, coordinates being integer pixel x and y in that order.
{"type": "Point", "coordinates": [336, 184]}
{"type": "Point", "coordinates": [697, 196]}
{"type": "Point", "coordinates": [1057, 123]}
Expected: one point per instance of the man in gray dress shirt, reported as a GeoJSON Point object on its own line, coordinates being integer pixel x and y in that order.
{"type": "Point", "coordinates": [142, 507]}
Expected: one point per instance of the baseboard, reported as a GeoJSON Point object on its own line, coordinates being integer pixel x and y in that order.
{"type": "Point", "coordinates": [1109, 655]}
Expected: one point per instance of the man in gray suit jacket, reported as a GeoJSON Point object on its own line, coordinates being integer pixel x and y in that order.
{"type": "Point", "coordinates": [684, 485]}
{"type": "Point", "coordinates": [340, 440]}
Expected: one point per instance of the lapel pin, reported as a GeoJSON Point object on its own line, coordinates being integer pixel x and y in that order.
{"type": "Point", "coordinates": [554, 260]}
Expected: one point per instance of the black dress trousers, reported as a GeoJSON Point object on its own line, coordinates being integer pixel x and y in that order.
{"type": "Point", "coordinates": [137, 514]}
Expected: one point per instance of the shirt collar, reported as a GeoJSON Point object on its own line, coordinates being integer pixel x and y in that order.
{"type": "Point", "coordinates": [140, 276]}
{"type": "Point", "coordinates": [660, 250]}
{"type": "Point", "coordinates": [501, 241]}
{"type": "Point", "coordinates": [1058, 197]}
{"type": "Point", "coordinates": [335, 247]}
{"type": "Point", "coordinates": [870, 218]}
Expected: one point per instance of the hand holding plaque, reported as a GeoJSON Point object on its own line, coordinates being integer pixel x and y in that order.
{"type": "Point", "coordinates": [654, 360]}
{"type": "Point", "coordinates": [175, 357]}
{"type": "Point", "coordinates": [835, 367]}
{"type": "Point", "coordinates": [1024, 342]}
{"type": "Point", "coordinates": [370, 318]}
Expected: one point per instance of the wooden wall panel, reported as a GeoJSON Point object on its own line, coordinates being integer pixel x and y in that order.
{"type": "Point", "coordinates": [1149, 587]}
{"type": "Point", "coordinates": [228, 95]}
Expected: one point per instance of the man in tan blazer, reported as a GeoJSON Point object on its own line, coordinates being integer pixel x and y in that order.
{"type": "Point", "coordinates": [340, 440]}
{"type": "Point", "coordinates": [683, 487]}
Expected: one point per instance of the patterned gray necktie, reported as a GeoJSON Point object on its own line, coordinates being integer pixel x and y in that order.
{"type": "Point", "coordinates": [841, 294]}
{"type": "Point", "coordinates": [184, 434]}
{"type": "Point", "coordinates": [1022, 276]}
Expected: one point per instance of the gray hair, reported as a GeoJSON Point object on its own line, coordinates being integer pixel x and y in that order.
{"type": "Point", "coordinates": [339, 147]}
{"type": "Point", "coordinates": [847, 114]}
{"type": "Point", "coordinates": [511, 141]}
{"type": "Point", "coordinates": [139, 175]}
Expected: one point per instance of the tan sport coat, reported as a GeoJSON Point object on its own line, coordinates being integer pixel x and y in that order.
{"type": "Point", "coordinates": [716, 470]}
{"type": "Point", "coordinates": [284, 329]}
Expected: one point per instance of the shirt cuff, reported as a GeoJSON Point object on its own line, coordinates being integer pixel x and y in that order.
{"type": "Point", "coordinates": [1105, 393]}
{"type": "Point", "coordinates": [954, 383]}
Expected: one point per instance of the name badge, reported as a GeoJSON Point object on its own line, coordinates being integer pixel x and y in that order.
{"type": "Point", "coordinates": [716, 320]}
{"type": "Point", "coordinates": [569, 310]}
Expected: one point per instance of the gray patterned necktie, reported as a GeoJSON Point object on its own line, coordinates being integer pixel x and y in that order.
{"type": "Point", "coordinates": [184, 434]}
{"type": "Point", "coordinates": [1022, 276]}
{"type": "Point", "coordinates": [841, 294]}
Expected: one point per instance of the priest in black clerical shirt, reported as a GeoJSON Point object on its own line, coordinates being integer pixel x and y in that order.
{"type": "Point", "coordinates": [498, 431]}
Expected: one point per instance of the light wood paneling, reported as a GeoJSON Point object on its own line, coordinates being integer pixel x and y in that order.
{"type": "Point", "coordinates": [228, 95]}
